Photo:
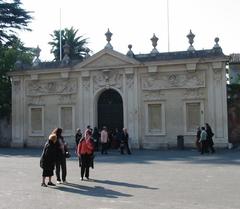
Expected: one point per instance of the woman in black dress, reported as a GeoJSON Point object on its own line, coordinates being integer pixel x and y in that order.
{"type": "Point", "coordinates": [48, 160]}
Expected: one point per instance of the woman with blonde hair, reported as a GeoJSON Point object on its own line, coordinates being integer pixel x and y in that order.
{"type": "Point", "coordinates": [48, 159]}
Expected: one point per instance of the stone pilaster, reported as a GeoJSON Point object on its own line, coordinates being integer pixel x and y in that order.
{"type": "Point", "coordinates": [85, 103]}
{"type": "Point", "coordinates": [220, 109]}
{"type": "Point", "coordinates": [17, 112]}
{"type": "Point", "coordinates": [131, 106]}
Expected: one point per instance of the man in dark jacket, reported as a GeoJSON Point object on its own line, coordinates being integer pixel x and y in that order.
{"type": "Point", "coordinates": [124, 142]}
{"type": "Point", "coordinates": [210, 134]}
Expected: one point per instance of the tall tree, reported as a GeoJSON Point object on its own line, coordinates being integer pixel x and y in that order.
{"type": "Point", "coordinates": [12, 18]}
{"type": "Point", "coordinates": [78, 49]}
{"type": "Point", "coordinates": [9, 55]}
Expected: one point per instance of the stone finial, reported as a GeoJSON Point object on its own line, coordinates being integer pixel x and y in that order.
{"type": "Point", "coordinates": [216, 43]}
{"type": "Point", "coordinates": [190, 37]}
{"type": "Point", "coordinates": [154, 40]}
{"type": "Point", "coordinates": [38, 50]}
{"type": "Point", "coordinates": [66, 52]}
{"type": "Point", "coordinates": [37, 61]}
{"type": "Point", "coordinates": [108, 35]}
{"type": "Point", "coordinates": [130, 52]}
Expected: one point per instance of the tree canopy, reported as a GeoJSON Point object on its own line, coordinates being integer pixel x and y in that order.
{"type": "Point", "coordinates": [12, 17]}
{"type": "Point", "coordinates": [9, 55]}
{"type": "Point", "coordinates": [77, 44]}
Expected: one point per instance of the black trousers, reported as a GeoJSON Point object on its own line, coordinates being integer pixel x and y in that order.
{"type": "Point", "coordinates": [61, 165]}
{"type": "Point", "coordinates": [123, 146]}
{"type": "Point", "coordinates": [85, 164]}
{"type": "Point", "coordinates": [210, 145]}
{"type": "Point", "coordinates": [104, 148]}
{"type": "Point", "coordinates": [204, 148]}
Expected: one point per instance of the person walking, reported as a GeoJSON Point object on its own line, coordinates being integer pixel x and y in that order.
{"type": "Point", "coordinates": [117, 138]}
{"type": "Point", "coordinates": [85, 152]}
{"type": "Point", "coordinates": [210, 134]}
{"type": "Point", "coordinates": [104, 140]}
{"type": "Point", "coordinates": [48, 160]}
{"type": "Point", "coordinates": [61, 164]}
{"type": "Point", "coordinates": [198, 144]}
{"type": "Point", "coordinates": [95, 137]}
{"type": "Point", "coordinates": [78, 136]}
{"type": "Point", "coordinates": [203, 140]}
{"type": "Point", "coordinates": [124, 142]}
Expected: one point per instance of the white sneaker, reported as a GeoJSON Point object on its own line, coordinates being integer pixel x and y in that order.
{"type": "Point", "coordinates": [65, 182]}
{"type": "Point", "coordinates": [59, 182]}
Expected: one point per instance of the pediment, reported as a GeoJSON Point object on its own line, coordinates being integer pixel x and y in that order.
{"type": "Point", "coordinates": [107, 58]}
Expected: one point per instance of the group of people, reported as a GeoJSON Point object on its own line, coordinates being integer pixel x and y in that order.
{"type": "Point", "coordinates": [204, 139]}
{"type": "Point", "coordinates": [104, 139]}
{"type": "Point", "coordinates": [56, 151]}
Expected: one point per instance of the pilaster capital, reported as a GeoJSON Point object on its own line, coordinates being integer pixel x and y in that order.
{"type": "Point", "coordinates": [34, 76]}
{"type": "Point", "coordinates": [191, 66]}
{"type": "Point", "coordinates": [152, 69]}
{"type": "Point", "coordinates": [129, 70]}
{"type": "Point", "coordinates": [85, 74]}
{"type": "Point", "coordinates": [217, 65]}
{"type": "Point", "coordinates": [64, 74]}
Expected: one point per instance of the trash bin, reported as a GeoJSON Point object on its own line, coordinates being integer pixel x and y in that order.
{"type": "Point", "coordinates": [180, 142]}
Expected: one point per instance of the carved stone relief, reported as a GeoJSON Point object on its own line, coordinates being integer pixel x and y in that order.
{"type": "Point", "coordinates": [16, 86]}
{"type": "Point", "coordinates": [86, 83]}
{"type": "Point", "coordinates": [38, 100]}
{"type": "Point", "coordinates": [217, 75]}
{"type": "Point", "coordinates": [67, 99]}
{"type": "Point", "coordinates": [107, 79]}
{"type": "Point", "coordinates": [152, 95]}
{"type": "Point", "coordinates": [170, 81]}
{"type": "Point", "coordinates": [194, 93]}
{"type": "Point", "coordinates": [36, 88]}
{"type": "Point", "coordinates": [129, 81]}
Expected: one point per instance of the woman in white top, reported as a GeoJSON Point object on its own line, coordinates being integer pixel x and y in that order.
{"type": "Point", "coordinates": [104, 140]}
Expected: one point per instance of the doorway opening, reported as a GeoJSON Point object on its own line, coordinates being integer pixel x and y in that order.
{"type": "Point", "coordinates": [110, 110]}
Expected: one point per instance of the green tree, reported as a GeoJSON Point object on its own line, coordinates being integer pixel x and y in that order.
{"type": "Point", "coordinates": [12, 18]}
{"type": "Point", "coordinates": [78, 49]}
{"type": "Point", "coordinates": [9, 55]}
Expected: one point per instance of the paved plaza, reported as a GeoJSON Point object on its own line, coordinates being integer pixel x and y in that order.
{"type": "Point", "coordinates": [163, 179]}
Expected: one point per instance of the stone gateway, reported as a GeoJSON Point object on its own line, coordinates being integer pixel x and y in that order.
{"type": "Point", "coordinates": [157, 96]}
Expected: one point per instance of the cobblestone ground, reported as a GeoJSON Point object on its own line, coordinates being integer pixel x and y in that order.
{"type": "Point", "coordinates": [166, 179]}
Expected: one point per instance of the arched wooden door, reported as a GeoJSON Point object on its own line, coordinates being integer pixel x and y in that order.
{"type": "Point", "coordinates": [110, 110]}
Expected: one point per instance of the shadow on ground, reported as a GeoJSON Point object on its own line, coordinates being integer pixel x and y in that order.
{"type": "Point", "coordinates": [123, 184]}
{"type": "Point", "coordinates": [96, 191]}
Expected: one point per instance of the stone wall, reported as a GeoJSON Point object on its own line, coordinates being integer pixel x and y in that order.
{"type": "Point", "coordinates": [5, 132]}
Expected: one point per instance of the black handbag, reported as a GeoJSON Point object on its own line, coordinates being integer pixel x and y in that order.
{"type": "Point", "coordinates": [67, 154]}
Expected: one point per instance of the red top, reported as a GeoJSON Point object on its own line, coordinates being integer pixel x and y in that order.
{"type": "Point", "coordinates": [85, 147]}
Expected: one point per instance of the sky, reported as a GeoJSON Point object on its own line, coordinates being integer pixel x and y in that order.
{"type": "Point", "coordinates": [134, 22]}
